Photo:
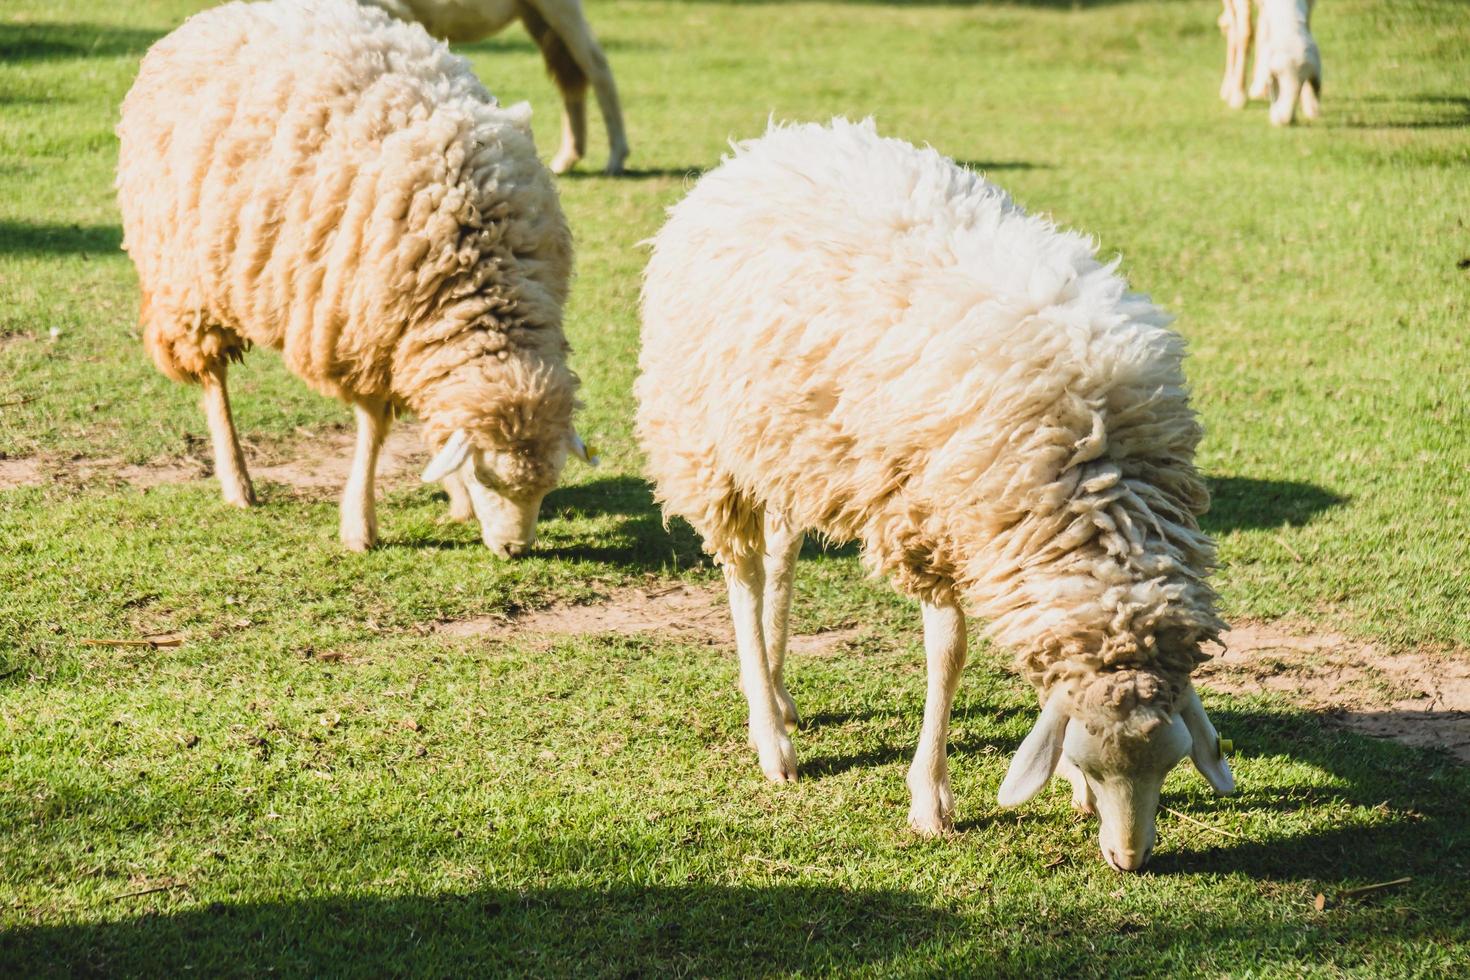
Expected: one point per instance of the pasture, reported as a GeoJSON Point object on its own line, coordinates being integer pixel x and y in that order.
{"type": "Point", "coordinates": [424, 760]}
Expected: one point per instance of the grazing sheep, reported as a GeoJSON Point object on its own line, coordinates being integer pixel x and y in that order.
{"type": "Point", "coordinates": [846, 334]}
{"type": "Point", "coordinates": [315, 177]}
{"type": "Point", "coordinates": [1288, 65]}
{"type": "Point", "coordinates": [572, 54]}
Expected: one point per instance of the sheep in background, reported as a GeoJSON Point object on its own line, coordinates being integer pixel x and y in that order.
{"type": "Point", "coordinates": [315, 177]}
{"type": "Point", "coordinates": [1235, 24]}
{"type": "Point", "coordinates": [849, 335]}
{"type": "Point", "coordinates": [1288, 66]}
{"type": "Point", "coordinates": [572, 54]}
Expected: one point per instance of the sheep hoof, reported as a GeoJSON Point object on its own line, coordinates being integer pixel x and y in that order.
{"type": "Point", "coordinates": [1236, 100]}
{"type": "Point", "coordinates": [615, 163]}
{"type": "Point", "coordinates": [789, 716]}
{"type": "Point", "coordinates": [778, 761]}
{"type": "Point", "coordinates": [563, 163]}
{"type": "Point", "coordinates": [359, 541]}
{"type": "Point", "coordinates": [931, 820]}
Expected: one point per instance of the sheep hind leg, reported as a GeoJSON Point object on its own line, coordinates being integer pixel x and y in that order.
{"type": "Point", "coordinates": [570, 81]}
{"type": "Point", "coordinates": [359, 518]}
{"type": "Point", "coordinates": [932, 809]}
{"type": "Point", "coordinates": [744, 578]}
{"type": "Point", "coordinates": [229, 460]}
{"type": "Point", "coordinates": [783, 545]}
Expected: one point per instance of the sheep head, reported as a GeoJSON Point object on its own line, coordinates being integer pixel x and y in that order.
{"type": "Point", "coordinates": [505, 485]}
{"type": "Point", "coordinates": [1123, 760]}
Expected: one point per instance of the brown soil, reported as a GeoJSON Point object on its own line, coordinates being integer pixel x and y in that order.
{"type": "Point", "coordinates": [311, 464]}
{"type": "Point", "coordinates": [687, 612]}
{"type": "Point", "coordinates": [1418, 698]}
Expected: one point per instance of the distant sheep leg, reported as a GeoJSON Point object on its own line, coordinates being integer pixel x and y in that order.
{"type": "Point", "coordinates": [783, 545]}
{"type": "Point", "coordinates": [1261, 71]}
{"type": "Point", "coordinates": [1288, 88]}
{"type": "Point", "coordinates": [359, 528]}
{"type": "Point", "coordinates": [1235, 22]}
{"type": "Point", "coordinates": [461, 508]}
{"type": "Point", "coordinates": [229, 461]}
{"type": "Point", "coordinates": [566, 20]}
{"type": "Point", "coordinates": [932, 809]}
{"type": "Point", "coordinates": [743, 578]}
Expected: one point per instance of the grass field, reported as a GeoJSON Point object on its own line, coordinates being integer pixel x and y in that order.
{"type": "Point", "coordinates": [318, 782]}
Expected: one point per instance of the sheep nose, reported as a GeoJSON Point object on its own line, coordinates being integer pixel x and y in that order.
{"type": "Point", "coordinates": [1123, 859]}
{"type": "Point", "coordinates": [511, 549]}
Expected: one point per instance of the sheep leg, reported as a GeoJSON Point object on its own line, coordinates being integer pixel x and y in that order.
{"type": "Point", "coordinates": [571, 82]}
{"type": "Point", "coordinates": [359, 527]}
{"type": "Point", "coordinates": [461, 508]}
{"type": "Point", "coordinates": [1288, 90]}
{"type": "Point", "coordinates": [1082, 799]}
{"type": "Point", "coordinates": [744, 579]}
{"type": "Point", "coordinates": [783, 545]}
{"type": "Point", "coordinates": [1261, 71]}
{"type": "Point", "coordinates": [229, 460]}
{"type": "Point", "coordinates": [932, 809]}
{"type": "Point", "coordinates": [1235, 21]}
{"type": "Point", "coordinates": [567, 22]}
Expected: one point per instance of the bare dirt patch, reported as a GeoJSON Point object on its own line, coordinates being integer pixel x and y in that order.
{"type": "Point", "coordinates": [691, 613]}
{"type": "Point", "coordinates": [311, 464]}
{"type": "Point", "coordinates": [1420, 698]}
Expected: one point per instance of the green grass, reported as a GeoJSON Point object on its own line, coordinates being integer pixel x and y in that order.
{"type": "Point", "coordinates": [322, 784]}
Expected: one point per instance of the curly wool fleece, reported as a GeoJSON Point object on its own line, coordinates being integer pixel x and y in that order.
{"type": "Point", "coordinates": [316, 177]}
{"type": "Point", "coordinates": [880, 345]}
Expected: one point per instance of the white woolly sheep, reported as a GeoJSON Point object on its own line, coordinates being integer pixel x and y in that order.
{"type": "Point", "coordinates": [315, 177]}
{"type": "Point", "coordinates": [1288, 66]}
{"type": "Point", "coordinates": [845, 334]}
{"type": "Point", "coordinates": [572, 55]}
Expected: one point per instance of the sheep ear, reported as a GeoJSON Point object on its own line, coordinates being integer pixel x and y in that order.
{"type": "Point", "coordinates": [1036, 759]}
{"type": "Point", "coordinates": [456, 450]}
{"type": "Point", "coordinates": [583, 451]}
{"type": "Point", "coordinates": [1206, 751]}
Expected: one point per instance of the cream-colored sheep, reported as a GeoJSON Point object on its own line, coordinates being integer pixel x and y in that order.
{"type": "Point", "coordinates": [316, 177]}
{"type": "Point", "coordinates": [849, 335]}
{"type": "Point", "coordinates": [572, 54]}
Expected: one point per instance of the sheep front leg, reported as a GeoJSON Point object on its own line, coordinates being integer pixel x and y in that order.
{"type": "Point", "coordinates": [1082, 799]}
{"type": "Point", "coordinates": [744, 579]}
{"type": "Point", "coordinates": [783, 545]}
{"type": "Point", "coordinates": [932, 810]}
{"type": "Point", "coordinates": [359, 527]}
{"type": "Point", "coordinates": [566, 20]}
{"type": "Point", "coordinates": [229, 461]}
{"type": "Point", "coordinates": [461, 507]}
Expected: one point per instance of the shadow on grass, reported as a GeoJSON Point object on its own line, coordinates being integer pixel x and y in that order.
{"type": "Point", "coordinates": [25, 238]}
{"type": "Point", "coordinates": [619, 931]}
{"type": "Point", "coordinates": [589, 169]}
{"type": "Point", "coordinates": [49, 41]}
{"type": "Point", "coordinates": [1408, 816]}
{"type": "Point", "coordinates": [643, 540]}
{"type": "Point", "coordinates": [1242, 504]}
{"type": "Point", "coordinates": [1405, 112]}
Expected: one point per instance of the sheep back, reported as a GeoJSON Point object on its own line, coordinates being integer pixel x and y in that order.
{"type": "Point", "coordinates": [313, 176]}
{"type": "Point", "coordinates": [881, 345]}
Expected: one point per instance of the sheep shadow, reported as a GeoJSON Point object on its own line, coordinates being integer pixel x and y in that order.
{"type": "Point", "coordinates": [27, 238]}
{"type": "Point", "coordinates": [697, 929]}
{"type": "Point", "coordinates": [51, 41]}
{"type": "Point", "coordinates": [1424, 111]}
{"type": "Point", "coordinates": [1244, 504]}
{"type": "Point", "coordinates": [1418, 799]}
{"type": "Point", "coordinates": [640, 538]}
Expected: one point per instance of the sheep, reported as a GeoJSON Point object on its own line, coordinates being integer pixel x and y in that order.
{"type": "Point", "coordinates": [316, 177]}
{"type": "Point", "coordinates": [1288, 66]}
{"type": "Point", "coordinates": [572, 55]}
{"type": "Point", "coordinates": [848, 335]}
